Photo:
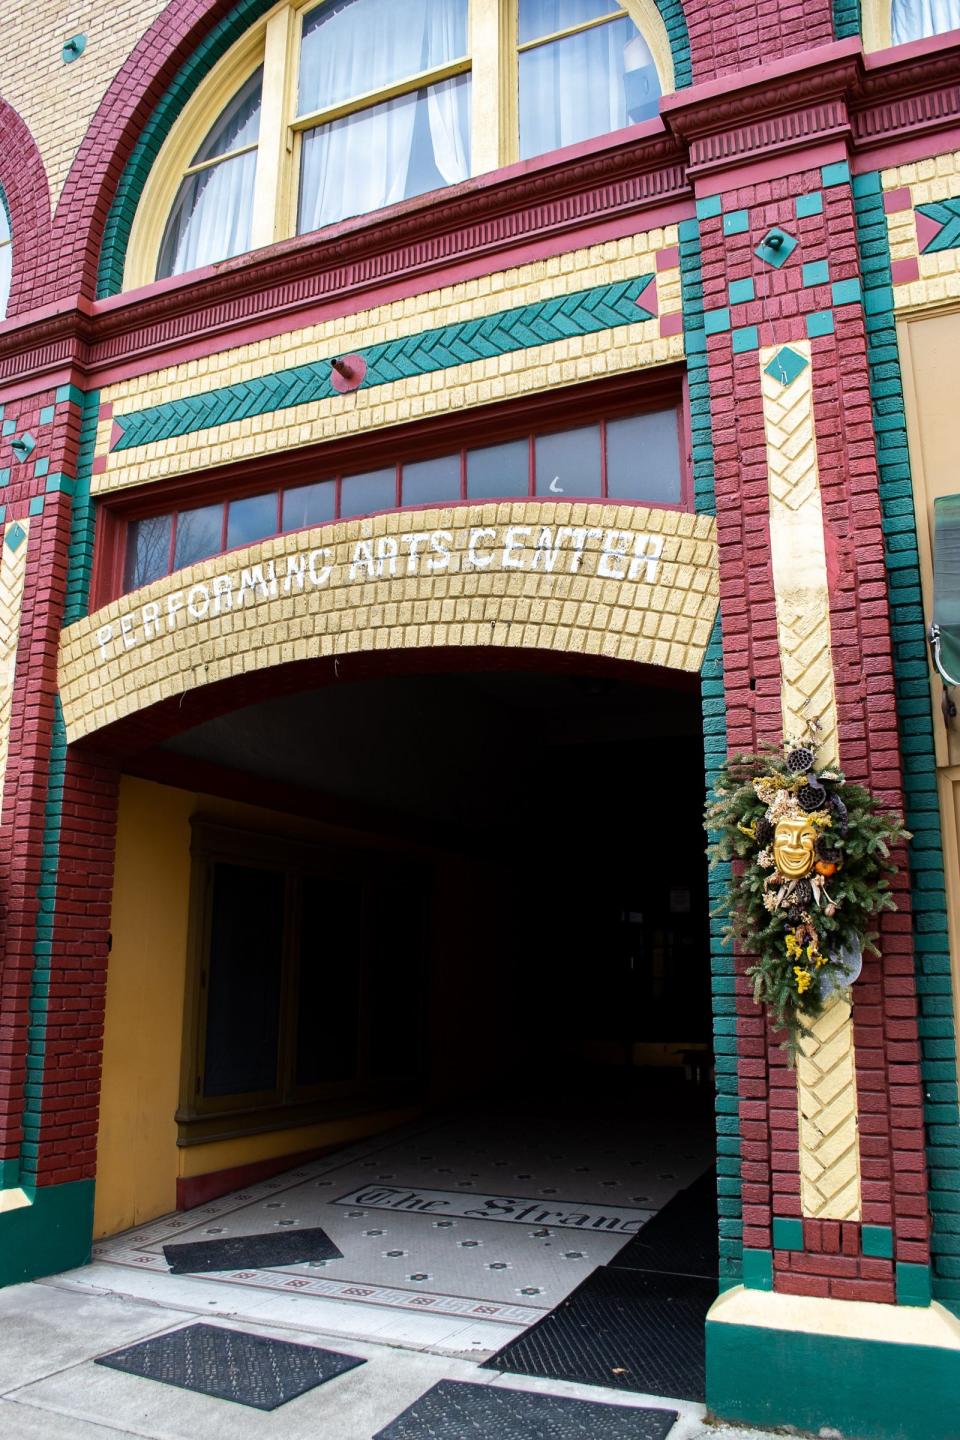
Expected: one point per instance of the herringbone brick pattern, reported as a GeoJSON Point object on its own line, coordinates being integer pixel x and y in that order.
{"type": "Point", "coordinates": [13, 567]}
{"type": "Point", "coordinates": [585, 312]}
{"type": "Point", "coordinates": [829, 1142]}
{"type": "Point", "coordinates": [799, 558]}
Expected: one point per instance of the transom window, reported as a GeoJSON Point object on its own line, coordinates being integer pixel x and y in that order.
{"type": "Point", "coordinates": [6, 256]}
{"type": "Point", "coordinates": [631, 458]}
{"type": "Point", "coordinates": [337, 109]}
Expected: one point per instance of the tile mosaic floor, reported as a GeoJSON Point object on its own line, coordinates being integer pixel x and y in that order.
{"type": "Point", "coordinates": [484, 1217]}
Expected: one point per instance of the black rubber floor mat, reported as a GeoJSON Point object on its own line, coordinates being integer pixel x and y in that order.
{"type": "Point", "coordinates": [682, 1238]}
{"type": "Point", "coordinates": [231, 1365]}
{"type": "Point", "coordinates": [455, 1410]}
{"type": "Point", "coordinates": [251, 1252]}
{"type": "Point", "coordinates": [627, 1329]}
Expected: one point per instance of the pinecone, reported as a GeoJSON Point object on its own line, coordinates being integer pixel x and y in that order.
{"type": "Point", "coordinates": [763, 832]}
{"type": "Point", "coordinates": [812, 796]}
{"type": "Point", "coordinates": [800, 760]}
{"type": "Point", "coordinates": [802, 893]}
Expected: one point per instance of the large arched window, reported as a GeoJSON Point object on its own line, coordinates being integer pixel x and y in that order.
{"type": "Point", "coordinates": [6, 256]}
{"type": "Point", "coordinates": [334, 109]}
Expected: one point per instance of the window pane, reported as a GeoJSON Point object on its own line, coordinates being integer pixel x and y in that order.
{"type": "Point", "coordinates": [353, 47]}
{"type": "Point", "coordinates": [6, 271]}
{"type": "Point", "coordinates": [643, 458]}
{"type": "Point", "coordinates": [426, 481]}
{"type": "Point", "coordinates": [363, 494]}
{"type": "Point", "coordinates": [251, 519]}
{"type": "Point", "coordinates": [309, 505]}
{"type": "Point", "coordinates": [243, 999]}
{"type": "Point", "coordinates": [915, 19]}
{"type": "Point", "coordinates": [331, 919]}
{"type": "Point", "coordinates": [4, 222]}
{"type": "Point", "coordinates": [385, 154]}
{"type": "Point", "coordinates": [499, 470]}
{"type": "Point", "coordinates": [585, 85]}
{"type": "Point", "coordinates": [210, 218]}
{"type": "Point", "coordinates": [148, 551]}
{"type": "Point", "coordinates": [569, 463]}
{"type": "Point", "coordinates": [199, 534]}
{"type": "Point", "coordinates": [546, 17]}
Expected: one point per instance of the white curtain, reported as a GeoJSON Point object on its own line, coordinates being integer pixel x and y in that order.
{"type": "Point", "coordinates": [915, 19]}
{"type": "Point", "coordinates": [6, 271]}
{"type": "Point", "coordinates": [363, 162]}
{"type": "Point", "coordinates": [573, 89]}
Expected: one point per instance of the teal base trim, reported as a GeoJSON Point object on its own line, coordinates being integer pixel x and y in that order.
{"type": "Point", "coordinates": [868, 1389]}
{"type": "Point", "coordinates": [758, 1269]}
{"type": "Point", "coordinates": [913, 1284]}
{"type": "Point", "coordinates": [53, 1233]}
{"type": "Point", "coordinates": [9, 1174]}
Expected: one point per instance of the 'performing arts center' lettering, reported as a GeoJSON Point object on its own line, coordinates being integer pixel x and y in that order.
{"type": "Point", "coordinates": [561, 549]}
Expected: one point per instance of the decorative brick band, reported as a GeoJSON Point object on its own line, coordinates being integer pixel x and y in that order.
{"type": "Point", "coordinates": [931, 942]}
{"type": "Point", "coordinates": [585, 312]}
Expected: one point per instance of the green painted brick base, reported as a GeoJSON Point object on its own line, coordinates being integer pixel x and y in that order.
{"type": "Point", "coordinates": [861, 1389]}
{"type": "Point", "coordinates": [54, 1233]}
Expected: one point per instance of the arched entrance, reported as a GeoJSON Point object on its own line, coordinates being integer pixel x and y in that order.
{"type": "Point", "coordinates": [453, 883]}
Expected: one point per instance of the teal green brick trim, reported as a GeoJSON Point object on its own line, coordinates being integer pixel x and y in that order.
{"type": "Point", "coordinates": [741, 291]}
{"type": "Point", "coordinates": [744, 339]}
{"type": "Point", "coordinates": [585, 312]}
{"type": "Point", "coordinates": [830, 1384]}
{"type": "Point", "coordinates": [709, 207]}
{"type": "Point", "coordinates": [9, 1173]}
{"type": "Point", "coordinates": [846, 292]}
{"type": "Point", "coordinates": [53, 1233]}
{"type": "Point", "coordinates": [80, 553]}
{"type": "Point", "coordinates": [58, 482]}
{"type": "Point", "coordinates": [736, 222]}
{"type": "Point", "coordinates": [43, 950]}
{"type": "Point", "coordinates": [836, 174]}
{"type": "Point", "coordinates": [877, 1241]}
{"type": "Point", "coordinates": [913, 1284]}
{"type": "Point", "coordinates": [36, 505]}
{"type": "Point", "coordinates": [729, 1202]}
{"type": "Point", "coordinates": [758, 1269]}
{"type": "Point", "coordinates": [46, 414]}
{"type": "Point", "coordinates": [816, 272]}
{"type": "Point", "coordinates": [911, 675]}
{"type": "Point", "coordinates": [846, 18]}
{"type": "Point", "coordinates": [820, 322]}
{"type": "Point", "coordinates": [116, 234]}
{"type": "Point", "coordinates": [809, 204]}
{"type": "Point", "coordinates": [787, 1233]}
{"type": "Point", "coordinates": [69, 395]}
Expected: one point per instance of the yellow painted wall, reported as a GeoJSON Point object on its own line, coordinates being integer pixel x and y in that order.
{"type": "Point", "coordinates": [929, 345]}
{"type": "Point", "coordinates": [138, 1159]}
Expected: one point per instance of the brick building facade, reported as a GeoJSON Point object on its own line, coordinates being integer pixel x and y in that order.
{"type": "Point", "coordinates": [777, 255]}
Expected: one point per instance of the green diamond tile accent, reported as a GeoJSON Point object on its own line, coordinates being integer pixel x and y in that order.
{"type": "Point", "coordinates": [23, 446]}
{"type": "Point", "coordinates": [877, 1241]}
{"type": "Point", "coordinates": [741, 291]}
{"type": "Point", "coordinates": [820, 322]}
{"type": "Point", "coordinates": [746, 338]}
{"type": "Point", "coordinates": [15, 536]}
{"type": "Point", "coordinates": [758, 1269]}
{"type": "Point", "coordinates": [913, 1283]}
{"type": "Point", "coordinates": [586, 312]}
{"type": "Point", "coordinates": [846, 292]}
{"type": "Point", "coordinates": [47, 414]}
{"type": "Point", "coordinates": [716, 321]}
{"type": "Point", "coordinates": [9, 426]}
{"type": "Point", "coordinates": [708, 207]}
{"type": "Point", "coordinates": [836, 174]}
{"type": "Point", "coordinates": [787, 1233]}
{"type": "Point", "coordinates": [3, 513]}
{"type": "Point", "coordinates": [736, 222]}
{"type": "Point", "coordinates": [36, 505]}
{"type": "Point", "coordinates": [816, 272]}
{"type": "Point", "coordinates": [807, 205]}
{"type": "Point", "coordinates": [41, 466]}
{"type": "Point", "coordinates": [776, 247]}
{"type": "Point", "coordinates": [5, 475]}
{"type": "Point", "coordinates": [786, 365]}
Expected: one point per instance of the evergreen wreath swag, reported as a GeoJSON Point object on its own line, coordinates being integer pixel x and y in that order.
{"type": "Point", "coordinates": [813, 872]}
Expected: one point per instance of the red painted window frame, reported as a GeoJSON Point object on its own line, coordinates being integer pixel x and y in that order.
{"type": "Point", "coordinates": [562, 409]}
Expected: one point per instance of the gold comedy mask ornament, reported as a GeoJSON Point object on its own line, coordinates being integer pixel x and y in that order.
{"type": "Point", "coordinates": [793, 847]}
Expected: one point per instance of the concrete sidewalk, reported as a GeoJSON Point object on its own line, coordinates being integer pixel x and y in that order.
{"type": "Point", "coordinates": [50, 1389]}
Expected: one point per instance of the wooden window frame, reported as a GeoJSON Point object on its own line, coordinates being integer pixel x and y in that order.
{"type": "Point", "coordinates": [274, 42]}
{"type": "Point", "coordinates": [200, 1118]}
{"type": "Point", "coordinates": [549, 413]}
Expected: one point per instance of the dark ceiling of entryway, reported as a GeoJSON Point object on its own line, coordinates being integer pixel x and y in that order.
{"type": "Point", "coordinates": [446, 746]}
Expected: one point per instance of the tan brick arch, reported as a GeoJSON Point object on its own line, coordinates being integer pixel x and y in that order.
{"type": "Point", "coordinates": [625, 582]}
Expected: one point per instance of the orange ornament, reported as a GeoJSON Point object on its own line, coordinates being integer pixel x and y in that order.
{"type": "Point", "coordinates": [826, 867]}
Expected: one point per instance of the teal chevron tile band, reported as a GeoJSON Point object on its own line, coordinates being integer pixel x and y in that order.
{"type": "Point", "coordinates": [942, 231]}
{"type": "Point", "coordinates": [584, 313]}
